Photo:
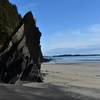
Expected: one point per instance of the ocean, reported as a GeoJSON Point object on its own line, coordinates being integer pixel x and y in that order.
{"type": "Point", "coordinates": [75, 59]}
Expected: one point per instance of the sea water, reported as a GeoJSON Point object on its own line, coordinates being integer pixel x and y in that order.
{"type": "Point", "coordinates": [75, 59]}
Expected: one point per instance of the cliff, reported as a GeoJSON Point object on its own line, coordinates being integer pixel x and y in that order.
{"type": "Point", "coordinates": [9, 19]}
{"type": "Point", "coordinates": [20, 56]}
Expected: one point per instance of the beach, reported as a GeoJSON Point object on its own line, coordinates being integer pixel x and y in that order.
{"type": "Point", "coordinates": [76, 74]}
{"type": "Point", "coordinates": [68, 81]}
{"type": "Point", "coordinates": [81, 78]}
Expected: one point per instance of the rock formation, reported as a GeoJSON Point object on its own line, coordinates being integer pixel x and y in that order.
{"type": "Point", "coordinates": [9, 20]}
{"type": "Point", "coordinates": [20, 54]}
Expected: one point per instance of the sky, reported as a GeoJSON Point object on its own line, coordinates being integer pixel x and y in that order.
{"type": "Point", "coordinates": [65, 24]}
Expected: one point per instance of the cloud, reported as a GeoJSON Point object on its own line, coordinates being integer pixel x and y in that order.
{"type": "Point", "coordinates": [94, 28]}
{"type": "Point", "coordinates": [74, 38]}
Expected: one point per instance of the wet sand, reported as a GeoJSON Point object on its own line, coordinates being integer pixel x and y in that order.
{"type": "Point", "coordinates": [77, 81]}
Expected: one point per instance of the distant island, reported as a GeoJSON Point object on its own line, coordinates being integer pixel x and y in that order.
{"type": "Point", "coordinates": [65, 55]}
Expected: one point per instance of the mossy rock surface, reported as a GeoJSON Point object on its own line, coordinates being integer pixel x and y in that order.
{"type": "Point", "coordinates": [9, 19]}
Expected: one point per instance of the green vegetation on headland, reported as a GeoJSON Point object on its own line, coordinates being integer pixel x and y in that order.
{"type": "Point", "coordinates": [9, 19]}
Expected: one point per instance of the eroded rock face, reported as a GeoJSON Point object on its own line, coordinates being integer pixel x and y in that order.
{"type": "Point", "coordinates": [9, 20]}
{"type": "Point", "coordinates": [21, 59]}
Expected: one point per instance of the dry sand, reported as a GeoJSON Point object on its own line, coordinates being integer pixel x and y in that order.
{"type": "Point", "coordinates": [77, 81]}
{"type": "Point", "coordinates": [75, 74]}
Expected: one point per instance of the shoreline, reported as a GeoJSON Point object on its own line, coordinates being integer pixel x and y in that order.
{"type": "Point", "coordinates": [71, 63]}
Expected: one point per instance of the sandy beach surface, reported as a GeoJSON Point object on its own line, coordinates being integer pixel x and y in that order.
{"type": "Point", "coordinates": [71, 81]}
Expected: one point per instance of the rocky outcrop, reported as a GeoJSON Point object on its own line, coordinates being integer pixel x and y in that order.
{"type": "Point", "coordinates": [21, 59]}
{"type": "Point", "coordinates": [20, 50]}
{"type": "Point", "coordinates": [9, 20]}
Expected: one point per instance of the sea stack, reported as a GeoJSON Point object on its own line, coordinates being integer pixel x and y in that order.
{"type": "Point", "coordinates": [21, 51]}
